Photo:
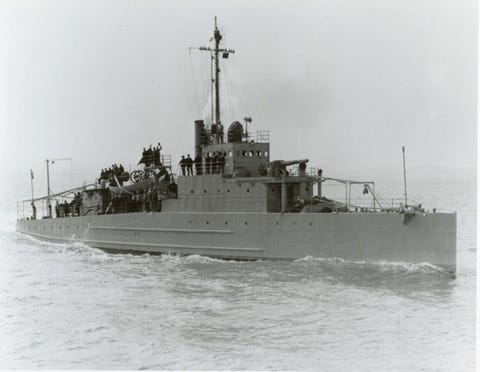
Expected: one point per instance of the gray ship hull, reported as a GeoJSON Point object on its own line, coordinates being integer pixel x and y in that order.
{"type": "Point", "coordinates": [351, 236]}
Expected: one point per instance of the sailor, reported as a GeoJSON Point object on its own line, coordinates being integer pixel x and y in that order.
{"type": "Point", "coordinates": [220, 133]}
{"type": "Point", "coordinates": [221, 163]}
{"type": "Point", "coordinates": [66, 208]}
{"type": "Point", "coordinates": [149, 157]}
{"type": "Point", "coordinates": [208, 164]}
{"type": "Point", "coordinates": [34, 211]}
{"type": "Point", "coordinates": [198, 165]}
{"type": "Point", "coordinates": [183, 164]}
{"type": "Point", "coordinates": [215, 163]}
{"type": "Point", "coordinates": [189, 164]}
{"type": "Point", "coordinates": [144, 201]}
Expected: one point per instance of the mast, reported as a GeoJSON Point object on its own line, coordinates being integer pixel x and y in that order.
{"type": "Point", "coordinates": [217, 36]}
{"type": "Point", "coordinates": [404, 177]}
{"type": "Point", "coordinates": [49, 207]}
{"type": "Point", "coordinates": [31, 183]}
{"type": "Point", "coordinates": [216, 121]}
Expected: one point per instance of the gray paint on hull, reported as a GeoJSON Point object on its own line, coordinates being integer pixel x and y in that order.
{"type": "Point", "coordinates": [352, 236]}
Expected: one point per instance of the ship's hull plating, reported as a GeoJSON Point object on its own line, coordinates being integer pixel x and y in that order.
{"type": "Point", "coordinates": [352, 236]}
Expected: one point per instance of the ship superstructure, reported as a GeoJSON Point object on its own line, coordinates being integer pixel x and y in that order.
{"type": "Point", "coordinates": [235, 202]}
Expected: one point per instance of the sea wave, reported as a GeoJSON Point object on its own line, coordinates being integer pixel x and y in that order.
{"type": "Point", "coordinates": [396, 267]}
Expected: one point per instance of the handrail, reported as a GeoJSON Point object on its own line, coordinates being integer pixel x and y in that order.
{"type": "Point", "coordinates": [66, 192]}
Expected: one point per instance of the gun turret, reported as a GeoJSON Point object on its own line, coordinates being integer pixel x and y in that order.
{"type": "Point", "coordinates": [278, 167]}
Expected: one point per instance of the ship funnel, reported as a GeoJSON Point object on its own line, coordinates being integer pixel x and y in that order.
{"type": "Point", "coordinates": [235, 132]}
{"type": "Point", "coordinates": [199, 131]}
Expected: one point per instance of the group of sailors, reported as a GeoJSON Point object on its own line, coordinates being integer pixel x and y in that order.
{"type": "Point", "coordinates": [151, 156]}
{"type": "Point", "coordinates": [148, 200]}
{"type": "Point", "coordinates": [108, 174]}
{"type": "Point", "coordinates": [214, 164]}
{"type": "Point", "coordinates": [71, 209]}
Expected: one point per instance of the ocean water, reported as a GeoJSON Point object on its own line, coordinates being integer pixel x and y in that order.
{"type": "Point", "coordinates": [68, 306]}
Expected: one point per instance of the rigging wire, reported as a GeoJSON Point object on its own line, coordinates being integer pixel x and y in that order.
{"type": "Point", "coordinates": [194, 82]}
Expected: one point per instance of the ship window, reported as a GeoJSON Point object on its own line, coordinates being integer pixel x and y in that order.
{"type": "Point", "coordinates": [204, 191]}
{"type": "Point", "coordinates": [244, 153]}
{"type": "Point", "coordinates": [208, 222]}
{"type": "Point", "coordinates": [226, 222]}
{"type": "Point", "coordinates": [310, 224]}
{"type": "Point", "coordinates": [273, 190]}
{"type": "Point", "coordinates": [266, 153]}
{"type": "Point", "coordinates": [248, 190]}
{"type": "Point", "coordinates": [218, 190]}
{"type": "Point", "coordinates": [259, 153]}
{"type": "Point", "coordinates": [246, 223]}
{"type": "Point", "coordinates": [191, 191]}
{"type": "Point", "coordinates": [252, 153]}
{"type": "Point", "coordinates": [228, 190]}
{"type": "Point", "coordinates": [230, 154]}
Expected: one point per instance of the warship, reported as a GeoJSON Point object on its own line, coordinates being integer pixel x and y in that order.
{"type": "Point", "coordinates": [232, 201]}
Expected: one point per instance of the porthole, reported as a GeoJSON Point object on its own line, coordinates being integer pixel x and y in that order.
{"type": "Point", "coordinates": [191, 191]}
{"type": "Point", "coordinates": [276, 223]}
{"type": "Point", "coordinates": [204, 191]}
{"type": "Point", "coordinates": [248, 190]}
{"type": "Point", "coordinates": [311, 224]}
{"type": "Point", "coordinates": [226, 222]}
{"type": "Point", "coordinates": [218, 190]}
{"type": "Point", "coordinates": [228, 190]}
{"type": "Point", "coordinates": [246, 223]}
{"type": "Point", "coordinates": [208, 222]}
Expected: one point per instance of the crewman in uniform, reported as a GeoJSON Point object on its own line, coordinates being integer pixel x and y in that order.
{"type": "Point", "coordinates": [215, 163]}
{"type": "Point", "coordinates": [208, 164]}
{"type": "Point", "coordinates": [198, 165]}
{"type": "Point", "coordinates": [183, 164]}
{"type": "Point", "coordinates": [189, 164]}
{"type": "Point", "coordinates": [221, 163]}
{"type": "Point", "coordinates": [34, 211]}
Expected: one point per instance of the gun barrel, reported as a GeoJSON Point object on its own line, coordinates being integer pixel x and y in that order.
{"type": "Point", "coordinates": [292, 162]}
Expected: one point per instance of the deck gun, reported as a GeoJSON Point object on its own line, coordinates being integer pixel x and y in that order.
{"type": "Point", "coordinates": [278, 168]}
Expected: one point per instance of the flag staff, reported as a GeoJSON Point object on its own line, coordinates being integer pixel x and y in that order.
{"type": "Point", "coordinates": [404, 177]}
{"type": "Point", "coordinates": [34, 209]}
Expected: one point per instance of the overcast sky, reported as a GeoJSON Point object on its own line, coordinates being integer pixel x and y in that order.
{"type": "Point", "coordinates": [343, 83]}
